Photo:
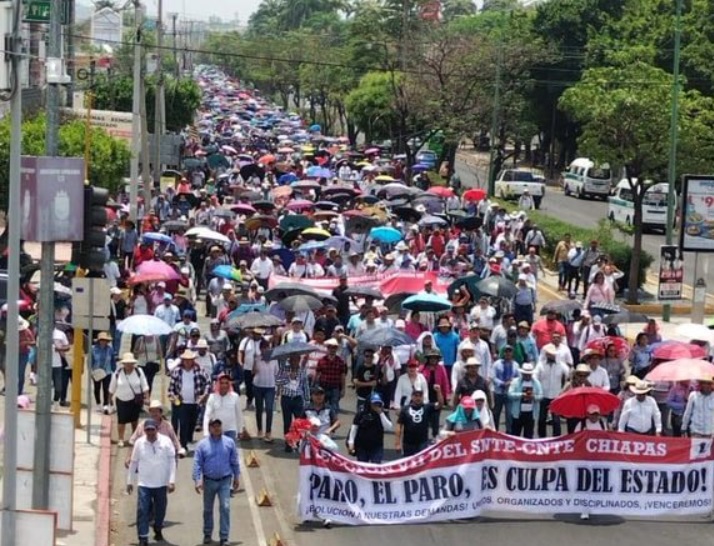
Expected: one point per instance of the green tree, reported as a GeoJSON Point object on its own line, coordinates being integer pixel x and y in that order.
{"type": "Point", "coordinates": [625, 117]}
{"type": "Point", "coordinates": [109, 157]}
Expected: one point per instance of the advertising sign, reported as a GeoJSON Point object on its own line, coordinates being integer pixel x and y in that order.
{"type": "Point", "coordinates": [52, 190]}
{"type": "Point", "coordinates": [474, 473]}
{"type": "Point", "coordinates": [116, 124]}
{"type": "Point", "coordinates": [697, 229]}
{"type": "Point", "coordinates": [671, 273]}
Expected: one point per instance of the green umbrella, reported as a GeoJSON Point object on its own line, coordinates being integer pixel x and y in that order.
{"type": "Point", "coordinates": [469, 281]}
{"type": "Point", "coordinates": [192, 163]}
{"type": "Point", "coordinates": [217, 160]}
{"type": "Point", "coordinates": [295, 221]}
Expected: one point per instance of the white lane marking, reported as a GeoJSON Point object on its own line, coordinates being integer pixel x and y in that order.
{"type": "Point", "coordinates": [255, 516]}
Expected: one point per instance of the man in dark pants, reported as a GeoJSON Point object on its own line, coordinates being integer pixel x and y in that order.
{"type": "Point", "coordinates": [412, 432]}
{"type": "Point", "coordinates": [188, 388]}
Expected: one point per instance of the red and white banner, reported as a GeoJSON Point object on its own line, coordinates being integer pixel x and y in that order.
{"type": "Point", "coordinates": [388, 284]}
{"type": "Point", "coordinates": [482, 472]}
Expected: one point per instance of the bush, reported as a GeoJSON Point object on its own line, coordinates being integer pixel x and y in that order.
{"type": "Point", "coordinates": [620, 253]}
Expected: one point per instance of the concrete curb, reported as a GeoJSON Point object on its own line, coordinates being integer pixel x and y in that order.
{"type": "Point", "coordinates": [104, 486]}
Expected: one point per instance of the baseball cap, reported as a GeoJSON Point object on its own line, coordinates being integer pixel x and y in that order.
{"type": "Point", "coordinates": [150, 424]}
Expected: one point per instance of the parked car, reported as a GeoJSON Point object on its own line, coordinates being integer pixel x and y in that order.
{"type": "Point", "coordinates": [427, 157]}
{"type": "Point", "coordinates": [511, 183]}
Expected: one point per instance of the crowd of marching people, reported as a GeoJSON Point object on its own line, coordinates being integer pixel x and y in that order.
{"type": "Point", "coordinates": [284, 269]}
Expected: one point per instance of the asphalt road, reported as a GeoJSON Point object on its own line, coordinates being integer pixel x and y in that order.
{"type": "Point", "coordinates": [587, 213]}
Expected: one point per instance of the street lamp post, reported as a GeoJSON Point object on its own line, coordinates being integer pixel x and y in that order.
{"type": "Point", "coordinates": [673, 129]}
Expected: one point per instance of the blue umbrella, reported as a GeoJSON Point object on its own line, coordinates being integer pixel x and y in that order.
{"type": "Point", "coordinates": [287, 179]}
{"type": "Point", "coordinates": [153, 237]}
{"type": "Point", "coordinates": [419, 168]}
{"type": "Point", "coordinates": [426, 303]}
{"type": "Point", "coordinates": [312, 245]}
{"type": "Point", "coordinates": [287, 257]}
{"type": "Point", "coordinates": [227, 272]}
{"type": "Point", "coordinates": [246, 308]}
{"type": "Point", "coordinates": [385, 235]}
{"type": "Point", "coordinates": [315, 128]}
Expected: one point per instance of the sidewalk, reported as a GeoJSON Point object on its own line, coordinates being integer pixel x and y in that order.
{"type": "Point", "coordinates": [90, 519]}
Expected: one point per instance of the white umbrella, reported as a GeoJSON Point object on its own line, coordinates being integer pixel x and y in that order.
{"type": "Point", "coordinates": [695, 332]}
{"type": "Point", "coordinates": [203, 232]}
{"type": "Point", "coordinates": [144, 325]}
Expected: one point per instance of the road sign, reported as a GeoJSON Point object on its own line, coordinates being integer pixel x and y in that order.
{"type": "Point", "coordinates": [37, 11]}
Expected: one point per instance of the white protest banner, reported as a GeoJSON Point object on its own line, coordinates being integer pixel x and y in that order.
{"type": "Point", "coordinates": [479, 472]}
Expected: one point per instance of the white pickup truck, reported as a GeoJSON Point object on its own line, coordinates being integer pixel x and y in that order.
{"type": "Point", "coordinates": [511, 183]}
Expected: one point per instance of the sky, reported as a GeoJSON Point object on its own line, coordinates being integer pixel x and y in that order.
{"type": "Point", "coordinates": [226, 9]}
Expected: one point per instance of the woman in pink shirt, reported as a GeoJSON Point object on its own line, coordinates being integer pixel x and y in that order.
{"type": "Point", "coordinates": [414, 328]}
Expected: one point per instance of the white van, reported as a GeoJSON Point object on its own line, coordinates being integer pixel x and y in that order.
{"type": "Point", "coordinates": [584, 179]}
{"type": "Point", "coordinates": [654, 205]}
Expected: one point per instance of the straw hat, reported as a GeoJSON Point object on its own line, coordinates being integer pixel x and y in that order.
{"type": "Point", "coordinates": [641, 388]}
{"type": "Point", "coordinates": [104, 336]}
{"type": "Point", "coordinates": [128, 358]}
{"type": "Point", "coordinates": [188, 355]}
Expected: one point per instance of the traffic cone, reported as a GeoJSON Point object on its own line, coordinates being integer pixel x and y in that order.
{"type": "Point", "coordinates": [263, 499]}
{"type": "Point", "coordinates": [276, 540]}
{"type": "Point", "coordinates": [251, 460]}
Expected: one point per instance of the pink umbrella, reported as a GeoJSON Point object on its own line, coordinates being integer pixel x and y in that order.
{"type": "Point", "coordinates": [299, 204]}
{"type": "Point", "coordinates": [157, 270]}
{"type": "Point", "coordinates": [682, 369]}
{"type": "Point", "coordinates": [371, 151]}
{"type": "Point", "coordinates": [199, 153]}
{"type": "Point", "coordinates": [243, 208]}
{"type": "Point", "coordinates": [229, 149]}
{"type": "Point", "coordinates": [672, 350]}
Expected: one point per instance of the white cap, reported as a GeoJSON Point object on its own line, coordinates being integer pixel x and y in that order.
{"type": "Point", "coordinates": [399, 323]}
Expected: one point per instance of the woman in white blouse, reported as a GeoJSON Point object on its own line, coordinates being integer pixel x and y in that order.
{"type": "Point", "coordinates": [264, 374]}
{"type": "Point", "coordinates": [130, 391]}
{"type": "Point", "coordinates": [408, 383]}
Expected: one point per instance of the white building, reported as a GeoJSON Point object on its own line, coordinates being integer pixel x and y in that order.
{"type": "Point", "coordinates": [106, 26]}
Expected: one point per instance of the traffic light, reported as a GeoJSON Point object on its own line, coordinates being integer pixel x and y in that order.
{"type": "Point", "coordinates": [90, 253]}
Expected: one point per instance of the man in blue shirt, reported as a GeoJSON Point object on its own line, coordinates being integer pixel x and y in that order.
{"type": "Point", "coordinates": [215, 472]}
{"type": "Point", "coordinates": [505, 370]}
{"type": "Point", "coordinates": [447, 341]}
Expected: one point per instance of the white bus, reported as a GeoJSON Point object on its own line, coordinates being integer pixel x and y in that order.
{"type": "Point", "coordinates": [654, 205]}
{"type": "Point", "coordinates": [585, 179]}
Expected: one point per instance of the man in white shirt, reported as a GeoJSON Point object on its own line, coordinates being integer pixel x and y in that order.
{"type": "Point", "coordinates": [153, 466]}
{"type": "Point", "coordinates": [225, 406]}
{"type": "Point", "coordinates": [563, 355]}
{"type": "Point", "coordinates": [640, 414]}
{"type": "Point", "coordinates": [167, 311]}
{"type": "Point", "coordinates": [60, 346]}
{"type": "Point", "coordinates": [204, 358]}
{"type": "Point", "coordinates": [590, 329]}
{"type": "Point", "coordinates": [262, 268]}
{"type": "Point", "coordinates": [552, 376]}
{"type": "Point", "coordinates": [248, 354]}
{"type": "Point", "coordinates": [484, 314]}
{"type": "Point", "coordinates": [598, 375]}
{"type": "Point", "coordinates": [699, 415]}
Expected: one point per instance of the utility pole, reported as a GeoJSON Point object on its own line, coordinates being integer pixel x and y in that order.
{"type": "Point", "coordinates": [177, 70]}
{"type": "Point", "coordinates": [159, 103]}
{"type": "Point", "coordinates": [12, 341]}
{"type": "Point", "coordinates": [495, 115]}
{"type": "Point", "coordinates": [672, 167]}
{"type": "Point", "coordinates": [45, 347]}
{"type": "Point", "coordinates": [136, 119]}
{"type": "Point", "coordinates": [145, 155]}
{"type": "Point", "coordinates": [71, 56]}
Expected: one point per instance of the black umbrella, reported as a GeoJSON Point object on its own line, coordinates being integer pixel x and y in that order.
{"type": "Point", "coordinates": [295, 221]}
{"type": "Point", "coordinates": [380, 337]}
{"type": "Point", "coordinates": [253, 169]}
{"type": "Point", "coordinates": [268, 205]}
{"type": "Point", "coordinates": [497, 286]}
{"type": "Point", "coordinates": [625, 317]}
{"type": "Point", "coordinates": [563, 307]}
{"type": "Point", "coordinates": [431, 220]}
{"type": "Point", "coordinates": [286, 289]}
{"type": "Point", "coordinates": [408, 214]}
{"type": "Point", "coordinates": [191, 198]}
{"type": "Point", "coordinates": [300, 304]}
{"type": "Point", "coordinates": [361, 224]}
{"type": "Point", "coordinates": [290, 236]}
{"type": "Point", "coordinates": [469, 281]}
{"type": "Point", "coordinates": [341, 197]}
{"type": "Point", "coordinates": [364, 292]}
{"type": "Point", "coordinates": [175, 225]}
{"type": "Point", "coordinates": [339, 188]}
{"type": "Point", "coordinates": [254, 319]}
{"type": "Point", "coordinates": [394, 302]}
{"type": "Point", "coordinates": [606, 307]}
{"type": "Point", "coordinates": [192, 163]}
{"type": "Point", "coordinates": [326, 205]}
{"type": "Point", "coordinates": [295, 348]}
{"type": "Point", "coordinates": [171, 172]}
{"type": "Point", "coordinates": [470, 222]}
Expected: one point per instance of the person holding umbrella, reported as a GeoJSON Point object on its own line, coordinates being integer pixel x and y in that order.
{"type": "Point", "coordinates": [294, 392]}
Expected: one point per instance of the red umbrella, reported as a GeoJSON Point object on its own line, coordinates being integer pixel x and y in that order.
{"type": "Point", "coordinates": [268, 158]}
{"type": "Point", "coordinates": [672, 350]}
{"type": "Point", "coordinates": [682, 369]}
{"type": "Point", "coordinates": [574, 402]}
{"type": "Point", "coordinates": [601, 344]}
{"type": "Point", "coordinates": [441, 191]}
{"type": "Point", "coordinates": [354, 213]}
{"type": "Point", "coordinates": [299, 204]}
{"type": "Point", "coordinates": [475, 194]}
{"type": "Point", "coordinates": [156, 270]}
